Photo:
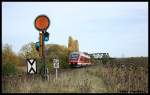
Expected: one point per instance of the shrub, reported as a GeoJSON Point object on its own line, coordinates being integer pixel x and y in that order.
{"type": "Point", "coordinates": [9, 69]}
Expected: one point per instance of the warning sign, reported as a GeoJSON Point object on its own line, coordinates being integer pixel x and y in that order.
{"type": "Point", "coordinates": [31, 66]}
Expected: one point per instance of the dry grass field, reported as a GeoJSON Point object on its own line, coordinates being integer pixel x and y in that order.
{"type": "Point", "coordinates": [128, 75]}
{"type": "Point", "coordinates": [76, 81]}
{"type": "Point", "coordinates": [117, 76]}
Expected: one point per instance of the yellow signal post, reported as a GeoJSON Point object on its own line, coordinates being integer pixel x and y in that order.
{"type": "Point", "coordinates": [41, 44]}
{"type": "Point", "coordinates": [42, 53]}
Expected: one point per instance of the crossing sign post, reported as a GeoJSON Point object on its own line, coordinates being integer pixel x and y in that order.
{"type": "Point", "coordinates": [56, 65]}
{"type": "Point", "coordinates": [31, 66]}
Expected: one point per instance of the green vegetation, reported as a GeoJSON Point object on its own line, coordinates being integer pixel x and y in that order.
{"type": "Point", "coordinates": [9, 69]}
{"type": "Point", "coordinates": [9, 61]}
{"type": "Point", "coordinates": [28, 51]}
{"type": "Point", "coordinates": [57, 51]}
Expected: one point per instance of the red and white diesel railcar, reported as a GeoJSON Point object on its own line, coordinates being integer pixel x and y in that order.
{"type": "Point", "coordinates": [77, 59]}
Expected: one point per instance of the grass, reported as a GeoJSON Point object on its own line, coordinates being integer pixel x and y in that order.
{"type": "Point", "coordinates": [119, 75]}
{"type": "Point", "coordinates": [76, 81]}
{"type": "Point", "coordinates": [124, 75]}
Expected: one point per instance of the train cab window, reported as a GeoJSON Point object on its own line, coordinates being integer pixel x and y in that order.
{"type": "Point", "coordinates": [73, 56]}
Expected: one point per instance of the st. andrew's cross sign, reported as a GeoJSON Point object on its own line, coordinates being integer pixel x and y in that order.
{"type": "Point", "coordinates": [31, 66]}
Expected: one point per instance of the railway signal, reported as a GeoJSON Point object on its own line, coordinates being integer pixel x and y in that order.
{"type": "Point", "coordinates": [46, 36]}
{"type": "Point", "coordinates": [37, 46]}
{"type": "Point", "coordinates": [41, 23]}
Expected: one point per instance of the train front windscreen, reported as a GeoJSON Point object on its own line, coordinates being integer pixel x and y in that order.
{"type": "Point", "coordinates": [74, 56]}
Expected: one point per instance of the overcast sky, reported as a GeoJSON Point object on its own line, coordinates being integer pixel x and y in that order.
{"type": "Point", "coordinates": [119, 28]}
